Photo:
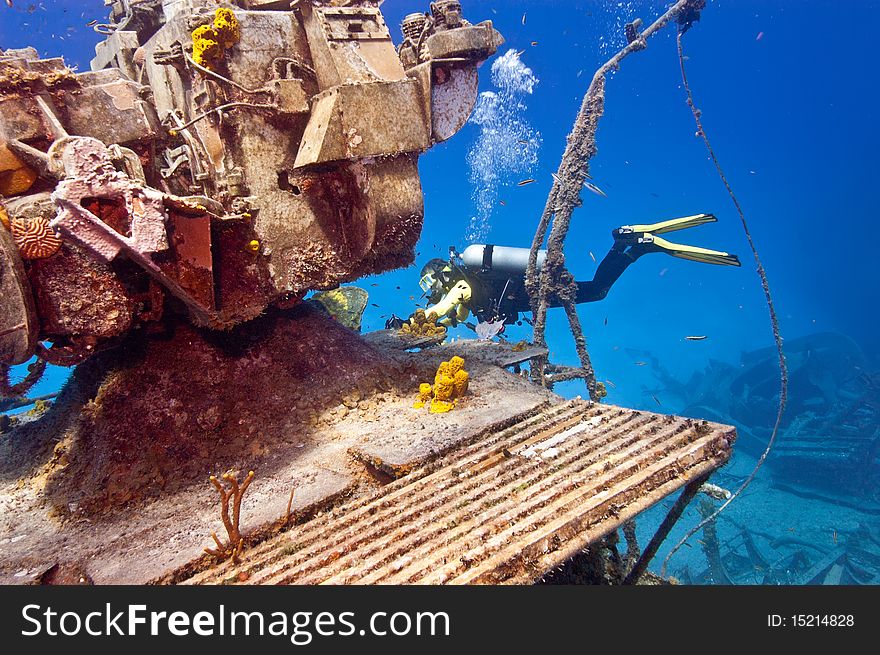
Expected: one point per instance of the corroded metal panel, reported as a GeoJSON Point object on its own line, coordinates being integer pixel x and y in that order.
{"type": "Point", "coordinates": [18, 322]}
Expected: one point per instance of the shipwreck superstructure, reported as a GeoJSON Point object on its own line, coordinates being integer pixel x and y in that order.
{"type": "Point", "coordinates": [179, 200]}
{"type": "Point", "coordinates": [217, 160]}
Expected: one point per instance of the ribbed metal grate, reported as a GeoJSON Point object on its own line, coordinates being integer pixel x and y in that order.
{"type": "Point", "coordinates": [506, 509]}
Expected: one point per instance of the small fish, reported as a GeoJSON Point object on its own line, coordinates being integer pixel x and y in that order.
{"type": "Point", "coordinates": [834, 537]}
{"type": "Point", "coordinates": [9, 3]}
{"type": "Point", "coordinates": [526, 182]}
{"type": "Point", "coordinates": [412, 297]}
{"type": "Point", "coordinates": [656, 195]}
{"type": "Point", "coordinates": [519, 53]}
{"type": "Point", "coordinates": [556, 178]}
{"type": "Point", "coordinates": [592, 256]}
{"type": "Point", "coordinates": [375, 284]}
{"type": "Point", "coordinates": [522, 142]}
{"type": "Point", "coordinates": [760, 36]}
{"type": "Point", "coordinates": [375, 305]}
{"type": "Point", "coordinates": [534, 43]}
{"type": "Point", "coordinates": [663, 272]}
{"type": "Point", "coordinates": [523, 21]}
{"type": "Point", "coordinates": [611, 384]}
{"type": "Point", "coordinates": [606, 320]}
{"type": "Point", "coordinates": [701, 337]}
{"type": "Point", "coordinates": [592, 187]}
{"type": "Point", "coordinates": [502, 203]}
{"type": "Point", "coordinates": [641, 363]}
{"type": "Point", "coordinates": [91, 23]}
{"type": "Point", "coordinates": [656, 400]}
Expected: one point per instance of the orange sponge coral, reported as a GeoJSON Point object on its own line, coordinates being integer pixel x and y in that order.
{"type": "Point", "coordinates": [425, 393]}
{"type": "Point", "coordinates": [450, 384]}
{"type": "Point", "coordinates": [460, 382]}
{"type": "Point", "coordinates": [211, 41]}
{"type": "Point", "coordinates": [423, 325]}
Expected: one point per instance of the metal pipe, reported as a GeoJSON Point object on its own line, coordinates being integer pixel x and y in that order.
{"type": "Point", "coordinates": [690, 490]}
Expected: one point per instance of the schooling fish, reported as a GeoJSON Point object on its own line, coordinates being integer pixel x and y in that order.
{"type": "Point", "coordinates": [524, 16]}
{"type": "Point", "coordinates": [697, 338]}
{"type": "Point", "coordinates": [641, 363]}
{"type": "Point", "coordinates": [592, 256]}
{"type": "Point", "coordinates": [609, 382]}
{"type": "Point", "coordinates": [592, 187]}
{"type": "Point", "coordinates": [525, 182]}
{"type": "Point", "coordinates": [656, 400]}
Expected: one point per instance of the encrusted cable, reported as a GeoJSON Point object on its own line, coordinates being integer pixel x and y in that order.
{"type": "Point", "coordinates": [554, 280]}
{"type": "Point", "coordinates": [783, 367]}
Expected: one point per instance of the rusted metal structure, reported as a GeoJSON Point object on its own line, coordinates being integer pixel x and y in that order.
{"type": "Point", "coordinates": [216, 162]}
{"type": "Point", "coordinates": [508, 508]}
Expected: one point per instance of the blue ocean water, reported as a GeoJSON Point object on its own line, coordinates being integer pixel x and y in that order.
{"type": "Point", "coordinates": [789, 99]}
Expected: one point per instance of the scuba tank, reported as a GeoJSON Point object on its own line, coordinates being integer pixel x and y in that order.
{"type": "Point", "coordinates": [500, 259]}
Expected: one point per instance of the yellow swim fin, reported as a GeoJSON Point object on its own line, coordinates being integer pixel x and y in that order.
{"type": "Point", "coordinates": [693, 253]}
{"type": "Point", "coordinates": [672, 225]}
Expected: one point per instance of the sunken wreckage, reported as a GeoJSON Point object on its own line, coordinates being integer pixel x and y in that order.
{"type": "Point", "coordinates": [163, 216]}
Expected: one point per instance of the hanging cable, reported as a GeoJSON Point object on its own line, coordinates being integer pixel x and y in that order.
{"type": "Point", "coordinates": [783, 367]}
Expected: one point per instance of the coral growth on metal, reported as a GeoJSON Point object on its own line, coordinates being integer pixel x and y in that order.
{"type": "Point", "coordinates": [178, 178]}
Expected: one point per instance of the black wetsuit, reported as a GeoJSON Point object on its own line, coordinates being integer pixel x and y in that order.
{"type": "Point", "coordinates": [497, 295]}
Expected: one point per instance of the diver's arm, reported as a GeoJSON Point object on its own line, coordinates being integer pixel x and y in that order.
{"type": "Point", "coordinates": [456, 300]}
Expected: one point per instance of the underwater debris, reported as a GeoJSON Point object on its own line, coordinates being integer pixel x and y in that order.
{"type": "Point", "coordinates": [488, 330]}
{"type": "Point", "coordinates": [218, 238]}
{"type": "Point", "coordinates": [235, 544]}
{"type": "Point", "coordinates": [8, 390]}
{"type": "Point", "coordinates": [714, 491]}
{"type": "Point", "coordinates": [15, 176]}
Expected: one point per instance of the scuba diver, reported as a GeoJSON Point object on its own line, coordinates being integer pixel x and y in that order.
{"type": "Point", "coordinates": [489, 281]}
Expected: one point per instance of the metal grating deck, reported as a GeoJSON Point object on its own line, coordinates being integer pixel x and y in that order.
{"type": "Point", "coordinates": [506, 509]}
